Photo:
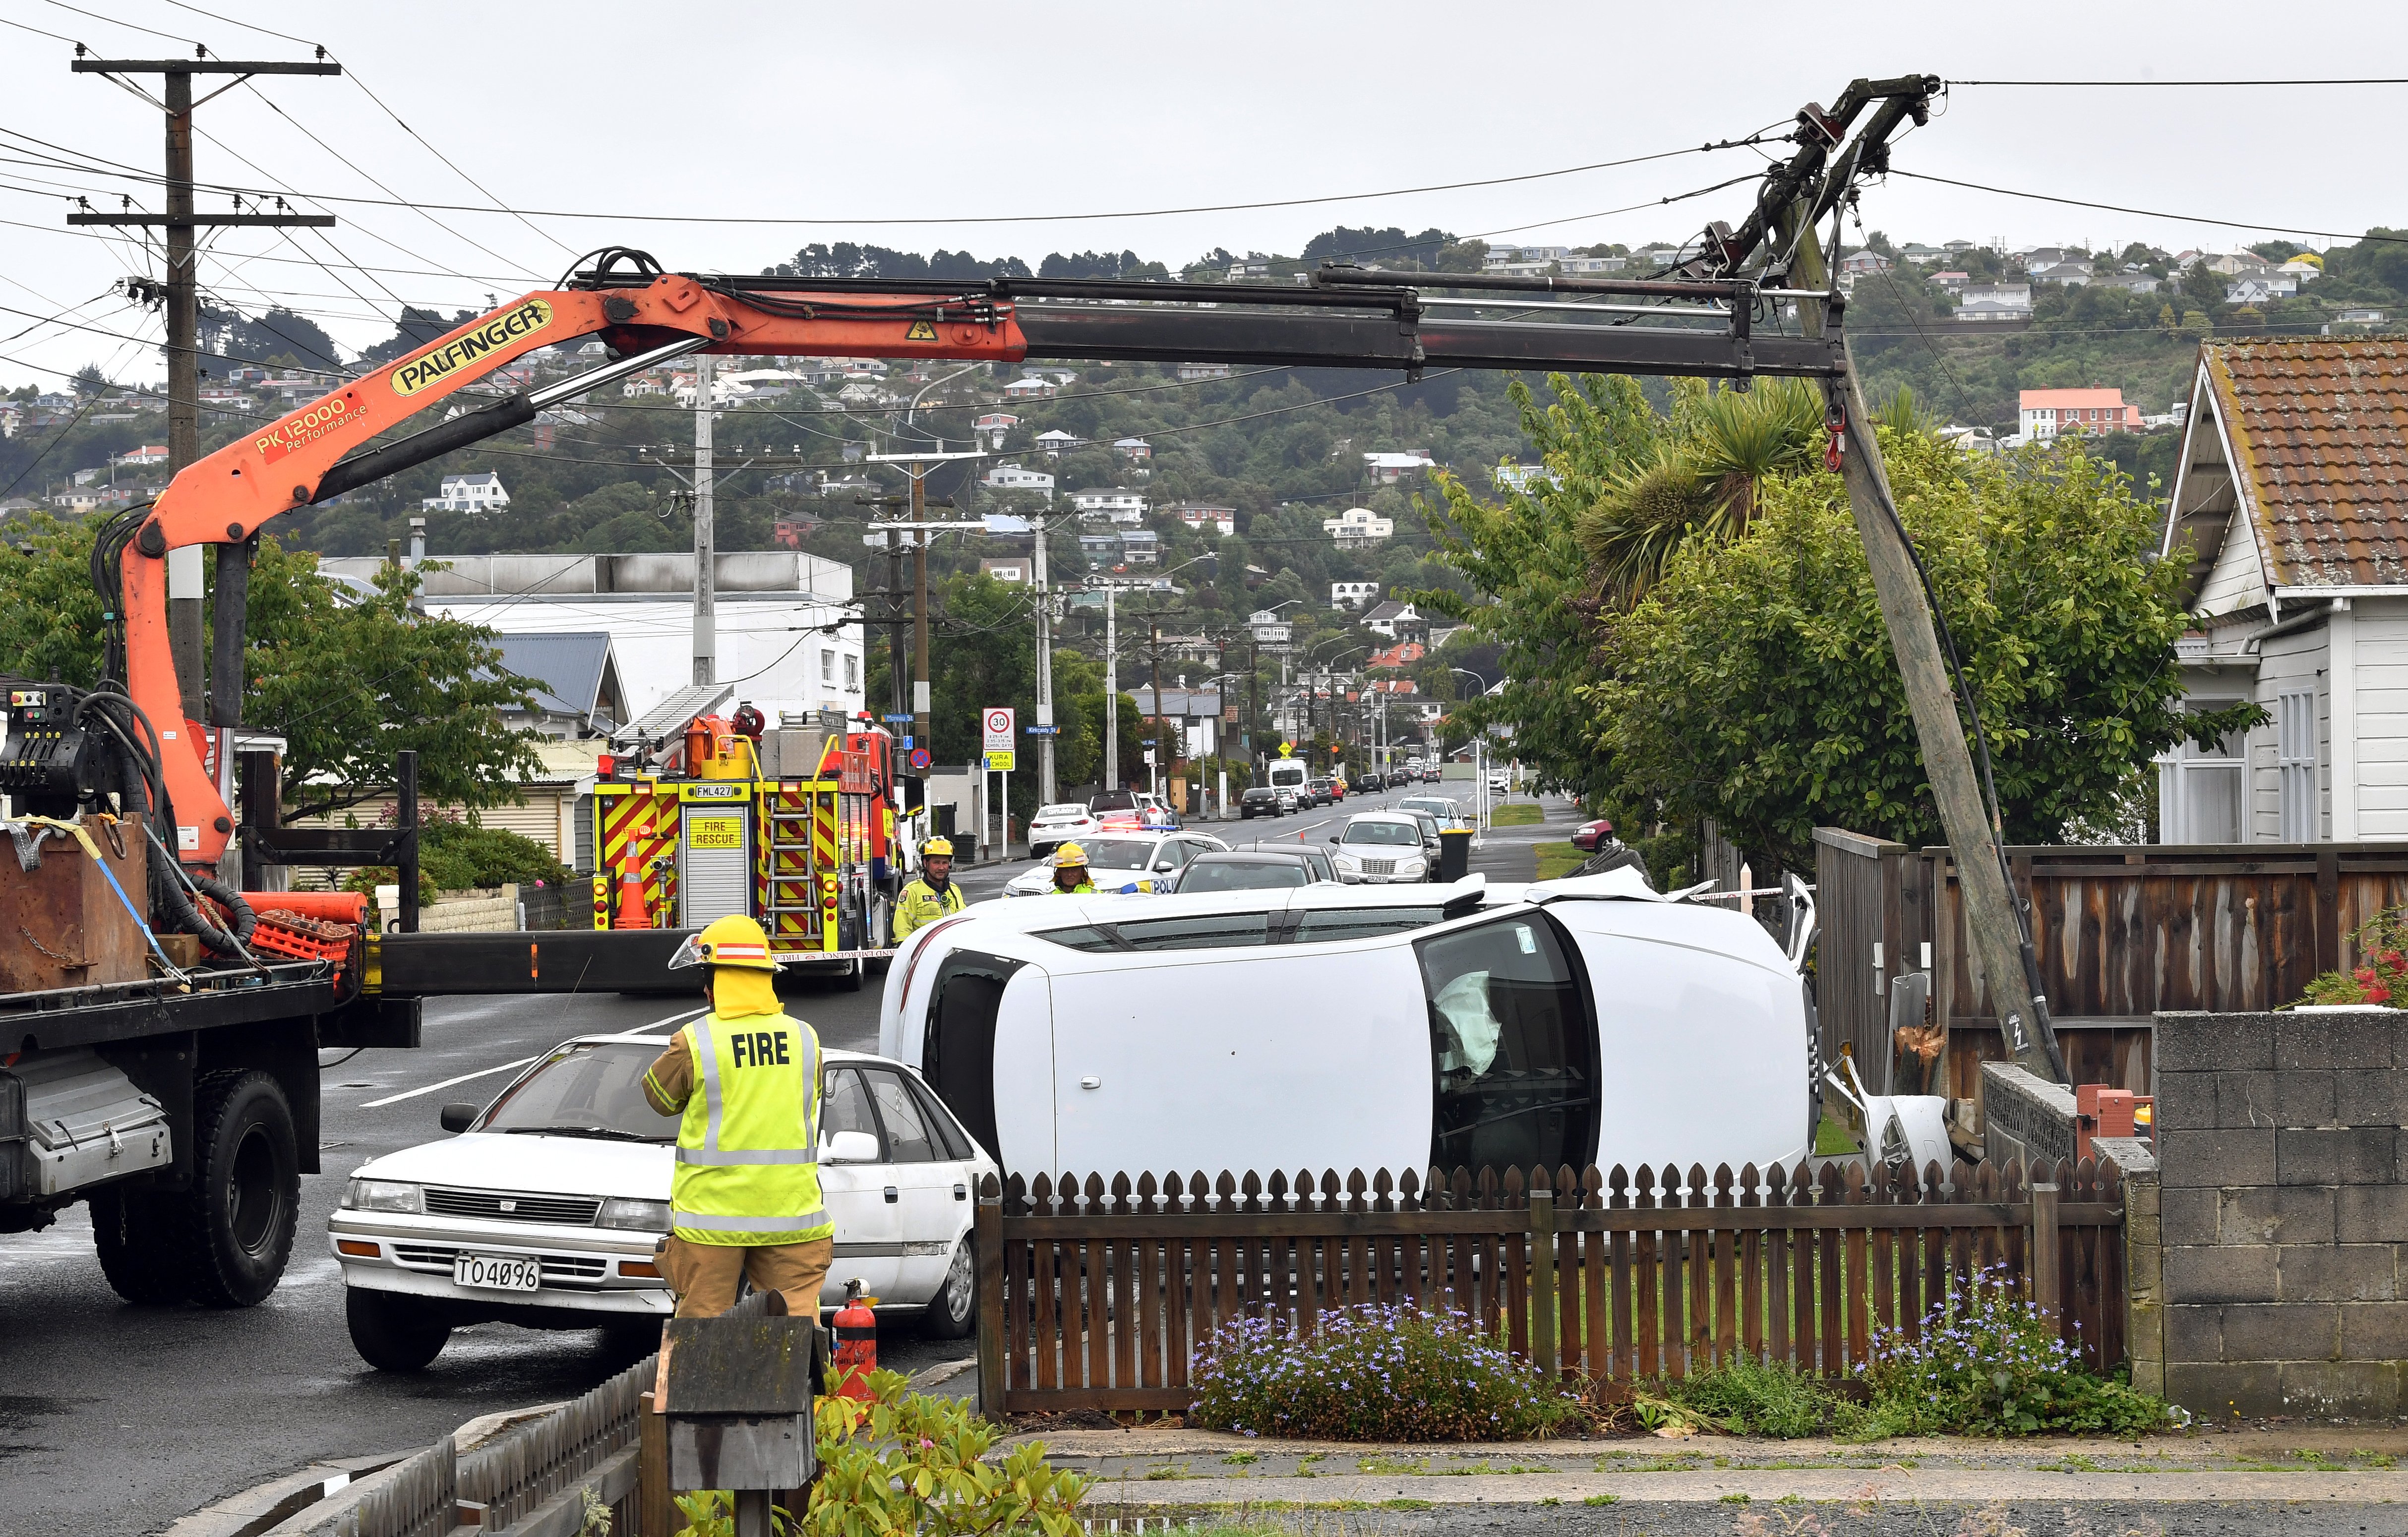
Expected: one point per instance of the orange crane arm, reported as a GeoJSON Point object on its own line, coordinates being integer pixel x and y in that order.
{"type": "Point", "coordinates": [228, 496]}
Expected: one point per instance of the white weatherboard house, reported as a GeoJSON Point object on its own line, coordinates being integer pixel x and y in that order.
{"type": "Point", "coordinates": [2290, 499]}
{"type": "Point", "coordinates": [479, 493]}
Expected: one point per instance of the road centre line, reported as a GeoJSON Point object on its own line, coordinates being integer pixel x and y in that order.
{"type": "Point", "coordinates": [412, 1093]}
{"type": "Point", "coordinates": [673, 1019]}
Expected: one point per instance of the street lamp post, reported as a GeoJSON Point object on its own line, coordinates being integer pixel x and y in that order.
{"type": "Point", "coordinates": [1479, 766]}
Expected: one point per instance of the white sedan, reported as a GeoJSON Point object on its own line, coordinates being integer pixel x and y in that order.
{"type": "Point", "coordinates": [1122, 861]}
{"type": "Point", "coordinates": [546, 1209]}
{"type": "Point", "coordinates": [1055, 825]}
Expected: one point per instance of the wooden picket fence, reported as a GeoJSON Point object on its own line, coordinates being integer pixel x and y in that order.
{"type": "Point", "coordinates": [1096, 1296]}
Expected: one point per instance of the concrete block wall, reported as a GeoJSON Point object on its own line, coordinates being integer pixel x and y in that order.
{"type": "Point", "coordinates": [2281, 1275]}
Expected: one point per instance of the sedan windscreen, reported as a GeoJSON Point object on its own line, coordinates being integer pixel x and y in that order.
{"type": "Point", "coordinates": [1513, 1046]}
{"type": "Point", "coordinates": [589, 1090]}
{"type": "Point", "coordinates": [1210, 875]}
{"type": "Point", "coordinates": [1119, 852]}
{"type": "Point", "coordinates": [1393, 834]}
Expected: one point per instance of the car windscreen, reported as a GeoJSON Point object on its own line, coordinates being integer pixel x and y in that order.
{"type": "Point", "coordinates": [1394, 834]}
{"type": "Point", "coordinates": [591, 1089]}
{"type": "Point", "coordinates": [1243, 875]}
{"type": "Point", "coordinates": [1114, 800]}
{"type": "Point", "coordinates": [1119, 852]}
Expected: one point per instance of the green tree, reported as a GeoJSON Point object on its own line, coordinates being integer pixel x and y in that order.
{"type": "Point", "coordinates": [347, 680]}
{"type": "Point", "coordinates": [1756, 683]}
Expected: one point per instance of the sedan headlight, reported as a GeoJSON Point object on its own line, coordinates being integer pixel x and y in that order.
{"type": "Point", "coordinates": [651, 1216]}
{"type": "Point", "coordinates": [384, 1196]}
{"type": "Point", "coordinates": [1411, 867]}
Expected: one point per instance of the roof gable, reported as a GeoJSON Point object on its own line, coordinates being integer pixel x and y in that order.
{"type": "Point", "coordinates": [2316, 431]}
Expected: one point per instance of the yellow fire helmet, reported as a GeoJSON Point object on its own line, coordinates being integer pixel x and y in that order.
{"type": "Point", "coordinates": [937, 848]}
{"type": "Point", "coordinates": [1069, 855]}
{"type": "Point", "coordinates": [733, 941]}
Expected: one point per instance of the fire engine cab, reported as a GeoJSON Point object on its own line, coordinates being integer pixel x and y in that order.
{"type": "Point", "coordinates": [792, 826]}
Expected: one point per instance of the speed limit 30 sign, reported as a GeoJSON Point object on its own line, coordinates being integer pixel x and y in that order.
{"type": "Point", "coordinates": [997, 723]}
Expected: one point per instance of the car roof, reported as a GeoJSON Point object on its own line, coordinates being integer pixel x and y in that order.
{"type": "Point", "coordinates": [832, 1054]}
{"type": "Point", "coordinates": [1406, 817]}
{"type": "Point", "coordinates": [1259, 857]}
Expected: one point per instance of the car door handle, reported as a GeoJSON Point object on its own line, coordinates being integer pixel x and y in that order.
{"type": "Point", "coordinates": [1091, 1083]}
{"type": "Point", "coordinates": [961, 1192]}
{"type": "Point", "coordinates": [893, 1195]}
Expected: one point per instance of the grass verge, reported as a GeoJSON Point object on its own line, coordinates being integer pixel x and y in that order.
{"type": "Point", "coordinates": [1515, 813]}
{"type": "Point", "coordinates": [1557, 860]}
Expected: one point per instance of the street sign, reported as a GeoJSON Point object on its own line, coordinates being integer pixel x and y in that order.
{"type": "Point", "coordinates": [920, 760]}
{"type": "Point", "coordinates": [895, 720]}
{"type": "Point", "coordinates": [1041, 731]}
{"type": "Point", "coordinates": [997, 723]}
{"type": "Point", "coordinates": [999, 762]}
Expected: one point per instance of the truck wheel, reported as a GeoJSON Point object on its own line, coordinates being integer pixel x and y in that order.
{"type": "Point", "coordinates": [237, 1225]}
{"type": "Point", "coordinates": [390, 1331]}
{"type": "Point", "coordinates": [138, 1249]}
{"type": "Point", "coordinates": [952, 1312]}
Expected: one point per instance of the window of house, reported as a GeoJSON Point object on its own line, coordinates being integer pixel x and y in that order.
{"type": "Point", "coordinates": [2295, 764]}
{"type": "Point", "coordinates": [827, 666]}
{"type": "Point", "coordinates": [852, 674]}
{"type": "Point", "coordinates": [2201, 786]}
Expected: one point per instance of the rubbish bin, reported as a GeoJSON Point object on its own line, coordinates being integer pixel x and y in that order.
{"type": "Point", "coordinates": [1453, 853]}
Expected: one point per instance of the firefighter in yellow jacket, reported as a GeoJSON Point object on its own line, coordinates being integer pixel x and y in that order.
{"type": "Point", "coordinates": [933, 894]}
{"type": "Point", "coordinates": [745, 1198]}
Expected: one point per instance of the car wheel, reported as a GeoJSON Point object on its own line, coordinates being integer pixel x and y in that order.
{"type": "Point", "coordinates": [952, 1312]}
{"type": "Point", "coordinates": [236, 1226]}
{"type": "Point", "coordinates": [393, 1332]}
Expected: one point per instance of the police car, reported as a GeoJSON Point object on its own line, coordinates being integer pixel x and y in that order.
{"type": "Point", "coordinates": [543, 1210]}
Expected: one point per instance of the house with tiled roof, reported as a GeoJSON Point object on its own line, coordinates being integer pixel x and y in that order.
{"type": "Point", "coordinates": [2290, 509]}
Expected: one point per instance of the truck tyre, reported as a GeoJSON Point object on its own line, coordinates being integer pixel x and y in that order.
{"type": "Point", "coordinates": [236, 1223]}
{"type": "Point", "coordinates": [952, 1312]}
{"type": "Point", "coordinates": [393, 1332]}
{"type": "Point", "coordinates": [138, 1248]}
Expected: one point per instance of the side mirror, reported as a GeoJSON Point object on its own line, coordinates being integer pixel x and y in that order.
{"type": "Point", "coordinates": [1333, 838]}
{"type": "Point", "coordinates": [851, 1147]}
{"type": "Point", "coordinates": [459, 1116]}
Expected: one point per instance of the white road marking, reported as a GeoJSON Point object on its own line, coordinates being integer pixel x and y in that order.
{"type": "Point", "coordinates": [412, 1093]}
{"type": "Point", "coordinates": [673, 1019]}
{"type": "Point", "coordinates": [1309, 826]}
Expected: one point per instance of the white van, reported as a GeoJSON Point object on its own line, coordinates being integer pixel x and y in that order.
{"type": "Point", "coordinates": [1288, 774]}
{"type": "Point", "coordinates": [1570, 1022]}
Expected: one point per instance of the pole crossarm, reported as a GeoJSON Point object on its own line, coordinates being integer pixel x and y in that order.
{"type": "Point", "coordinates": [210, 221]}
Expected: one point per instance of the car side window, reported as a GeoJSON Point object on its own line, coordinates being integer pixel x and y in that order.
{"type": "Point", "coordinates": [939, 1119]}
{"type": "Point", "coordinates": [1173, 855]}
{"type": "Point", "coordinates": [844, 1106]}
{"type": "Point", "coordinates": [907, 1135]}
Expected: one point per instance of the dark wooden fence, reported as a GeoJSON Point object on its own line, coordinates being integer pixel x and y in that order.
{"type": "Point", "coordinates": [2121, 932]}
{"type": "Point", "coordinates": [1096, 1296]}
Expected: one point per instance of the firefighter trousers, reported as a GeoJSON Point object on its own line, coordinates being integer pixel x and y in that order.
{"type": "Point", "coordinates": [704, 1275]}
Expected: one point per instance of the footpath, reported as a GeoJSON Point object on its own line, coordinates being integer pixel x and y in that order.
{"type": "Point", "coordinates": [2302, 1482]}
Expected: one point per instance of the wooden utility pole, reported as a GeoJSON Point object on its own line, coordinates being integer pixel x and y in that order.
{"type": "Point", "coordinates": [2002, 953]}
{"type": "Point", "coordinates": [706, 530]}
{"type": "Point", "coordinates": [221, 704]}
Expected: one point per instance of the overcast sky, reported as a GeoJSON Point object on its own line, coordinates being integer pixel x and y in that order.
{"type": "Point", "coordinates": [904, 125]}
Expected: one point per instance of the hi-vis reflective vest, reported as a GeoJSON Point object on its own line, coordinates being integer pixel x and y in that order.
{"type": "Point", "coordinates": [922, 904]}
{"type": "Point", "coordinates": [748, 1150]}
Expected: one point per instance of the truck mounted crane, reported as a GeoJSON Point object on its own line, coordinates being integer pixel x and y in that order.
{"type": "Point", "coordinates": [174, 1084]}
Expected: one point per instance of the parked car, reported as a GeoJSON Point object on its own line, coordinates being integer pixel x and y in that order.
{"type": "Point", "coordinates": [1262, 800]}
{"type": "Point", "coordinates": [1324, 868]}
{"type": "Point", "coordinates": [1379, 847]}
{"type": "Point", "coordinates": [1448, 812]}
{"type": "Point", "coordinates": [544, 1210]}
{"type": "Point", "coordinates": [1591, 836]}
{"type": "Point", "coordinates": [1122, 861]}
{"type": "Point", "coordinates": [1324, 792]}
{"type": "Point", "coordinates": [1339, 786]}
{"type": "Point", "coordinates": [1448, 1025]}
{"type": "Point", "coordinates": [1500, 783]}
{"type": "Point", "coordinates": [1053, 825]}
{"type": "Point", "coordinates": [1253, 870]}
{"type": "Point", "coordinates": [1368, 785]}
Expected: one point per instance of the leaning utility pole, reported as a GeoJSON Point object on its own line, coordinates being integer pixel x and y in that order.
{"type": "Point", "coordinates": [223, 705]}
{"type": "Point", "coordinates": [2002, 948]}
{"type": "Point", "coordinates": [917, 466]}
{"type": "Point", "coordinates": [1111, 694]}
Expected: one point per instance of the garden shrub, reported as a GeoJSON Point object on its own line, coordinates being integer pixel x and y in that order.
{"type": "Point", "coordinates": [1746, 1396]}
{"type": "Point", "coordinates": [2381, 975]}
{"type": "Point", "coordinates": [1990, 1364]}
{"type": "Point", "coordinates": [901, 1462]}
{"type": "Point", "coordinates": [1371, 1373]}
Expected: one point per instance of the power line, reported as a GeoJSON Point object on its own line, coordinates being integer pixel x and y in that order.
{"type": "Point", "coordinates": [2152, 213]}
{"type": "Point", "coordinates": [189, 42]}
{"type": "Point", "coordinates": [2217, 84]}
{"type": "Point", "coordinates": [523, 214]}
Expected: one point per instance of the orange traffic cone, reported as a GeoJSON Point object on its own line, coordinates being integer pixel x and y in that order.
{"type": "Point", "coordinates": [632, 912]}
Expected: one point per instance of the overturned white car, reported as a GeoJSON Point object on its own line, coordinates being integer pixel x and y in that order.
{"type": "Point", "coordinates": [1399, 1027]}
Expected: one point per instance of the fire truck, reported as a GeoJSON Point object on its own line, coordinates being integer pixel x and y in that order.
{"type": "Point", "coordinates": [789, 825]}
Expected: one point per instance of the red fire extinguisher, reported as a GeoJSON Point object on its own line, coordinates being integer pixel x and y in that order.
{"type": "Point", "coordinates": [856, 1343]}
